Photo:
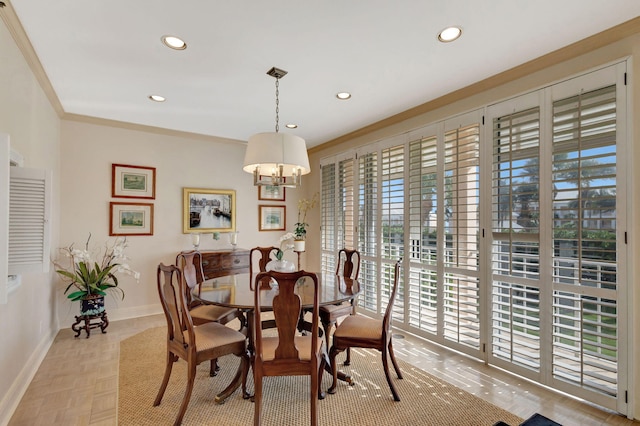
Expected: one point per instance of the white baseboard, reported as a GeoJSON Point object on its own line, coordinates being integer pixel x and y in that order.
{"type": "Point", "coordinates": [19, 386]}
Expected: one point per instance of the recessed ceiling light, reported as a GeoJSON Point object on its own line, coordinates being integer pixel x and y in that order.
{"type": "Point", "coordinates": [174, 42]}
{"type": "Point", "coordinates": [343, 95]}
{"type": "Point", "coordinates": [449, 34]}
{"type": "Point", "coordinates": [157, 98]}
{"type": "Point", "coordinates": [292, 126]}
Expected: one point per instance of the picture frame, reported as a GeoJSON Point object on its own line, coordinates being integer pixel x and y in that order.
{"type": "Point", "coordinates": [133, 181]}
{"type": "Point", "coordinates": [130, 219]}
{"type": "Point", "coordinates": [271, 193]}
{"type": "Point", "coordinates": [208, 210]}
{"type": "Point", "coordinates": [272, 218]}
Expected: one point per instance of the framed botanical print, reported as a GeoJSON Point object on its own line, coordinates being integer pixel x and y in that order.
{"type": "Point", "coordinates": [131, 219]}
{"type": "Point", "coordinates": [133, 181]}
{"type": "Point", "coordinates": [272, 218]}
{"type": "Point", "coordinates": [208, 210]}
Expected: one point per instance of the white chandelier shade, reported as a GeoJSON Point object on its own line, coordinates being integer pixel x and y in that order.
{"type": "Point", "coordinates": [270, 150]}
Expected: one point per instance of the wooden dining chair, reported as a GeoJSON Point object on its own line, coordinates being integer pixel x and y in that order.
{"type": "Point", "coordinates": [194, 343]}
{"type": "Point", "coordinates": [265, 255]}
{"type": "Point", "coordinates": [348, 265]}
{"type": "Point", "coordinates": [357, 331]}
{"type": "Point", "coordinates": [288, 353]}
{"type": "Point", "coordinates": [262, 255]}
{"type": "Point", "coordinates": [190, 264]}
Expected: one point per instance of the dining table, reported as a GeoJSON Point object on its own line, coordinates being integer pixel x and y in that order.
{"type": "Point", "coordinates": [237, 291]}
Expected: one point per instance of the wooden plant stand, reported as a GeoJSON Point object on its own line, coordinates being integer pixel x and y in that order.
{"type": "Point", "coordinates": [89, 323]}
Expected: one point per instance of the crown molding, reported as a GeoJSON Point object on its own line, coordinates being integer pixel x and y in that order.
{"type": "Point", "coordinates": [13, 24]}
{"type": "Point", "coordinates": [147, 128]}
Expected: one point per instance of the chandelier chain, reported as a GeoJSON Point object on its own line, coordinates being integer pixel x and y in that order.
{"type": "Point", "coordinates": [277, 105]}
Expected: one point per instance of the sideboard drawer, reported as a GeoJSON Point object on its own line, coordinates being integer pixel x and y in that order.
{"type": "Point", "coordinates": [218, 263]}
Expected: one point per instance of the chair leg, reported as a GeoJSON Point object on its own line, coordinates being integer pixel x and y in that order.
{"type": "Point", "coordinates": [214, 368]}
{"type": "Point", "coordinates": [323, 364]}
{"type": "Point", "coordinates": [393, 359]}
{"type": "Point", "coordinates": [191, 377]}
{"type": "Point", "coordinates": [245, 363]}
{"type": "Point", "coordinates": [348, 360]}
{"type": "Point", "coordinates": [327, 326]}
{"type": "Point", "coordinates": [257, 399]}
{"type": "Point", "coordinates": [314, 397]}
{"type": "Point", "coordinates": [171, 358]}
{"type": "Point", "coordinates": [385, 364]}
{"type": "Point", "coordinates": [334, 369]}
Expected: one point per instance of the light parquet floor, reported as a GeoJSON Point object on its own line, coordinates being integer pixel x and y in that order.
{"type": "Point", "coordinates": [59, 395]}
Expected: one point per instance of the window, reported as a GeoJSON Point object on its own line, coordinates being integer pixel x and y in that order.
{"type": "Point", "coordinates": [509, 230]}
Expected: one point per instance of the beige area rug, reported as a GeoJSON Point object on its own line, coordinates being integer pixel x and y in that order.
{"type": "Point", "coordinates": [425, 399]}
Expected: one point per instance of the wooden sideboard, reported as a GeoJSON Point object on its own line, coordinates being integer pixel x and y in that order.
{"type": "Point", "coordinates": [218, 263]}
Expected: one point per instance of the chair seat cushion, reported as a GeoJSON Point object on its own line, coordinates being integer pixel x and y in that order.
{"type": "Point", "coordinates": [303, 343]}
{"type": "Point", "coordinates": [210, 313]}
{"type": "Point", "coordinates": [218, 337]}
{"type": "Point", "coordinates": [333, 312]}
{"type": "Point", "coordinates": [357, 327]}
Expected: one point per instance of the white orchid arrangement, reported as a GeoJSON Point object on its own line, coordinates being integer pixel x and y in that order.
{"type": "Point", "coordinates": [286, 243]}
{"type": "Point", "coordinates": [88, 277]}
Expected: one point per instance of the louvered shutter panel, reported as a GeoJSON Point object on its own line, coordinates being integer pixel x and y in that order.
{"type": "Point", "coordinates": [328, 215]}
{"type": "Point", "coordinates": [346, 237]}
{"type": "Point", "coordinates": [515, 307]}
{"type": "Point", "coordinates": [29, 210]}
{"type": "Point", "coordinates": [585, 320]}
{"type": "Point", "coordinates": [367, 222]}
{"type": "Point", "coordinates": [392, 222]}
{"type": "Point", "coordinates": [462, 288]}
{"type": "Point", "coordinates": [422, 280]}
{"type": "Point", "coordinates": [4, 215]}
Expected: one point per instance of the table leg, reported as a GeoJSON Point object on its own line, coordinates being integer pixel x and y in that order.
{"type": "Point", "coordinates": [237, 379]}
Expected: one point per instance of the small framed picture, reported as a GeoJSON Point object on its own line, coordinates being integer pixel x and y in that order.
{"type": "Point", "coordinates": [271, 193]}
{"type": "Point", "coordinates": [208, 210]}
{"type": "Point", "coordinates": [133, 181]}
{"type": "Point", "coordinates": [131, 219]}
{"type": "Point", "coordinates": [272, 218]}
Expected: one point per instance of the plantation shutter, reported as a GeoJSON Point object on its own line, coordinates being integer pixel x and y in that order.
{"type": "Point", "coordinates": [585, 269]}
{"type": "Point", "coordinates": [392, 222]}
{"type": "Point", "coordinates": [346, 236]}
{"type": "Point", "coordinates": [422, 279]}
{"type": "Point", "coordinates": [328, 215]}
{"type": "Point", "coordinates": [515, 291]}
{"type": "Point", "coordinates": [367, 237]}
{"type": "Point", "coordinates": [461, 200]}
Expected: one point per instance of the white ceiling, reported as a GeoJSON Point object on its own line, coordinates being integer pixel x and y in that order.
{"type": "Point", "coordinates": [104, 58]}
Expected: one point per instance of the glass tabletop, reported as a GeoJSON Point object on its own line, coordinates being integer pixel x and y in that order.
{"type": "Point", "coordinates": [235, 291]}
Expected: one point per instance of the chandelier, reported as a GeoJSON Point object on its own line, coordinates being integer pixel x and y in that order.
{"type": "Point", "coordinates": [274, 158]}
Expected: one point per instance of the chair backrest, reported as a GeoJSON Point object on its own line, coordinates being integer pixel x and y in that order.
{"type": "Point", "coordinates": [265, 257]}
{"type": "Point", "coordinates": [190, 264]}
{"type": "Point", "coordinates": [172, 299]}
{"type": "Point", "coordinates": [388, 315]}
{"type": "Point", "coordinates": [287, 306]}
{"type": "Point", "coordinates": [348, 263]}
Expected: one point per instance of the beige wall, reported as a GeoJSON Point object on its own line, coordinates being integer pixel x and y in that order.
{"type": "Point", "coordinates": [503, 88]}
{"type": "Point", "coordinates": [28, 319]}
{"type": "Point", "coordinates": [87, 152]}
